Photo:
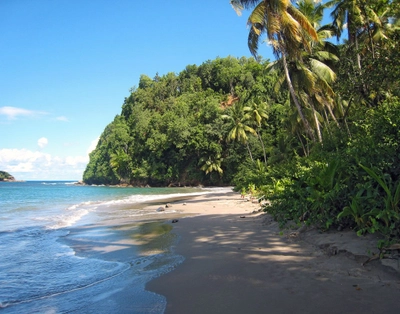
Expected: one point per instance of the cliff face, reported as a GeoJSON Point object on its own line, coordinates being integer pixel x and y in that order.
{"type": "Point", "coordinates": [5, 176]}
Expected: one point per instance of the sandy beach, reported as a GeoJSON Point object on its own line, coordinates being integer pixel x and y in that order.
{"type": "Point", "coordinates": [236, 260]}
{"type": "Point", "coordinates": [218, 253]}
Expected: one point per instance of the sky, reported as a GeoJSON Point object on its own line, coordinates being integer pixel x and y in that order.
{"type": "Point", "coordinates": [66, 67]}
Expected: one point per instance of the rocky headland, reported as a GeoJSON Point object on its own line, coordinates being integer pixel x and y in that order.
{"type": "Point", "coordinates": [6, 177]}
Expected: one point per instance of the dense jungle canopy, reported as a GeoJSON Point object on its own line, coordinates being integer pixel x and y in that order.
{"type": "Point", "coordinates": [316, 132]}
{"type": "Point", "coordinates": [173, 129]}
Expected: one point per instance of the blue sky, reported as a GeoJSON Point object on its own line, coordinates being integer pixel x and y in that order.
{"type": "Point", "coordinates": [67, 65]}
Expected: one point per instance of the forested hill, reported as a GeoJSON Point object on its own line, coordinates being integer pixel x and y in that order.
{"type": "Point", "coordinates": [5, 176]}
{"type": "Point", "coordinates": [179, 129]}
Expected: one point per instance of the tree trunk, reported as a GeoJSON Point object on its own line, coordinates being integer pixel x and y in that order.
{"type": "Point", "coordinates": [248, 148]}
{"type": "Point", "coordinates": [332, 115]}
{"type": "Point", "coordinates": [317, 126]}
{"type": "Point", "coordinates": [263, 147]}
{"type": "Point", "coordinates": [304, 148]}
{"type": "Point", "coordinates": [295, 100]}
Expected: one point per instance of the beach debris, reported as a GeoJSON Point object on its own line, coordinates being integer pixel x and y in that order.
{"type": "Point", "coordinates": [174, 221]}
{"type": "Point", "coordinates": [242, 216]}
{"type": "Point", "coordinates": [184, 204]}
{"type": "Point", "coordinates": [160, 209]}
{"type": "Point", "coordinates": [168, 205]}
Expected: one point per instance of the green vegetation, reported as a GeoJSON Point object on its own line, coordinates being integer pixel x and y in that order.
{"type": "Point", "coordinates": [173, 129]}
{"type": "Point", "coordinates": [316, 132]}
{"type": "Point", "coordinates": [5, 176]}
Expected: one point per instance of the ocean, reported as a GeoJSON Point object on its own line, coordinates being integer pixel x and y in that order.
{"type": "Point", "coordinates": [49, 231]}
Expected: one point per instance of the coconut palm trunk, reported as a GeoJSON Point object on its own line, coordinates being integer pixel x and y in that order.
{"type": "Point", "coordinates": [295, 100]}
{"type": "Point", "coordinates": [248, 148]}
{"type": "Point", "coordinates": [317, 126]}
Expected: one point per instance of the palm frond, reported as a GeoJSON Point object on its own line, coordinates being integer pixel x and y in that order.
{"type": "Point", "coordinates": [326, 56]}
{"type": "Point", "coordinates": [247, 4]}
{"type": "Point", "coordinates": [303, 21]}
{"type": "Point", "coordinates": [256, 21]}
{"type": "Point", "coordinates": [322, 70]}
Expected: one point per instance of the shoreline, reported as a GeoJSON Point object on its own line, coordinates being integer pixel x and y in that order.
{"type": "Point", "coordinates": [237, 260]}
{"type": "Point", "coordinates": [223, 255]}
{"type": "Point", "coordinates": [145, 244]}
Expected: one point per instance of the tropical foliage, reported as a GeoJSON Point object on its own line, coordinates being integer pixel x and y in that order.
{"type": "Point", "coordinates": [342, 168]}
{"type": "Point", "coordinates": [315, 132]}
{"type": "Point", "coordinates": [190, 128]}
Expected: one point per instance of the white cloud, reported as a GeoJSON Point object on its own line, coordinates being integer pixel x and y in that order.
{"type": "Point", "coordinates": [21, 167]}
{"type": "Point", "coordinates": [42, 142]}
{"type": "Point", "coordinates": [25, 164]}
{"type": "Point", "coordinates": [93, 145]}
{"type": "Point", "coordinates": [13, 112]}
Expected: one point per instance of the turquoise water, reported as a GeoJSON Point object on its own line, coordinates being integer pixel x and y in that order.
{"type": "Point", "coordinates": [40, 273]}
{"type": "Point", "coordinates": [55, 204]}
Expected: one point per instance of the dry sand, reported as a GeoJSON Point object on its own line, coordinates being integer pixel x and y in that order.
{"type": "Point", "coordinates": [237, 261]}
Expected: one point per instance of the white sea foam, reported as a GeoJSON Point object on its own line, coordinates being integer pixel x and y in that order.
{"type": "Point", "coordinates": [62, 220]}
{"type": "Point", "coordinates": [69, 220]}
{"type": "Point", "coordinates": [139, 198]}
{"type": "Point", "coordinates": [77, 211]}
{"type": "Point", "coordinates": [73, 207]}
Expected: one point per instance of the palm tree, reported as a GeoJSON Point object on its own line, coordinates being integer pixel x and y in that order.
{"type": "Point", "coordinates": [240, 124]}
{"type": "Point", "coordinates": [368, 23]}
{"type": "Point", "coordinates": [346, 14]}
{"type": "Point", "coordinates": [211, 164]}
{"type": "Point", "coordinates": [119, 161]}
{"type": "Point", "coordinates": [311, 74]}
{"type": "Point", "coordinates": [288, 32]}
{"type": "Point", "coordinates": [312, 80]}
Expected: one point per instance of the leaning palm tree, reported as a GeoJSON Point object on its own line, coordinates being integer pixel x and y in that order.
{"type": "Point", "coordinates": [311, 74]}
{"type": "Point", "coordinates": [239, 121]}
{"type": "Point", "coordinates": [288, 31]}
